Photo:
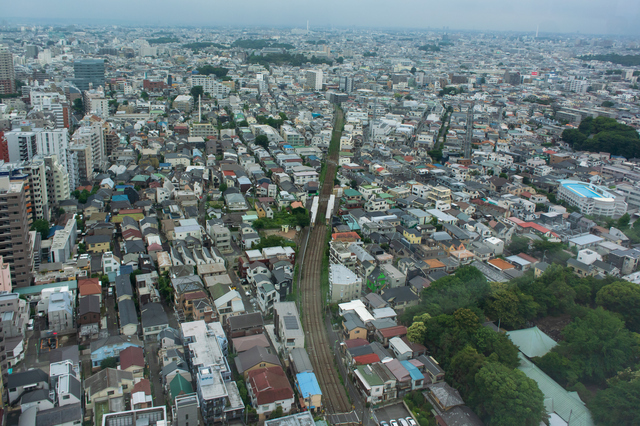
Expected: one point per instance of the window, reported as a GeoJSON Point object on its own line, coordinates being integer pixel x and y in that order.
{"type": "Point", "coordinates": [111, 393]}
{"type": "Point", "coordinates": [66, 397]}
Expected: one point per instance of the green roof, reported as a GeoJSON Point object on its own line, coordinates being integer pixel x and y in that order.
{"type": "Point", "coordinates": [179, 386]}
{"type": "Point", "coordinates": [531, 341]}
{"type": "Point", "coordinates": [37, 289]}
{"type": "Point", "coordinates": [350, 192]}
{"type": "Point", "coordinates": [219, 290]}
{"type": "Point", "coordinates": [369, 375]}
{"type": "Point", "coordinates": [140, 178]}
{"type": "Point", "coordinates": [567, 405]}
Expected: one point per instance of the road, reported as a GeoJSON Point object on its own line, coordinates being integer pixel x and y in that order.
{"type": "Point", "coordinates": [319, 346]}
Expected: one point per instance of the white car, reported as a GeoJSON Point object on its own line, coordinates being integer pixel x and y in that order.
{"type": "Point", "coordinates": [393, 422]}
{"type": "Point", "coordinates": [411, 421]}
{"type": "Point", "coordinates": [30, 324]}
{"type": "Point", "coordinates": [403, 422]}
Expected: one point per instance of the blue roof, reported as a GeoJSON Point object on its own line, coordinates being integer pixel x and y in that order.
{"type": "Point", "coordinates": [53, 230]}
{"type": "Point", "coordinates": [287, 146]}
{"type": "Point", "coordinates": [120, 198]}
{"type": "Point", "coordinates": [123, 186]}
{"type": "Point", "coordinates": [126, 269]}
{"type": "Point", "coordinates": [164, 165]}
{"type": "Point", "coordinates": [308, 384]}
{"type": "Point", "coordinates": [413, 370]}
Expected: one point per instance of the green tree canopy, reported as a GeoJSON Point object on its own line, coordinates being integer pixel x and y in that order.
{"type": "Point", "coordinates": [604, 134]}
{"type": "Point", "coordinates": [110, 362]}
{"type": "Point", "coordinates": [263, 141]}
{"type": "Point", "coordinates": [623, 298]}
{"type": "Point", "coordinates": [619, 404]}
{"type": "Point", "coordinates": [417, 332]}
{"type": "Point", "coordinates": [598, 344]}
{"type": "Point", "coordinates": [42, 226]}
{"type": "Point", "coordinates": [507, 397]}
{"type": "Point", "coordinates": [196, 92]}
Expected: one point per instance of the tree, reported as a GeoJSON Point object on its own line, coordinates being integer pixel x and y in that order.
{"type": "Point", "coordinates": [223, 187]}
{"type": "Point", "coordinates": [464, 367]}
{"type": "Point", "coordinates": [558, 367]}
{"type": "Point", "coordinates": [78, 106]}
{"type": "Point", "coordinates": [340, 60]}
{"type": "Point", "coordinates": [144, 95]}
{"type": "Point", "coordinates": [42, 226]}
{"type": "Point", "coordinates": [623, 221]}
{"type": "Point", "coordinates": [598, 344]}
{"type": "Point", "coordinates": [512, 308]}
{"type": "Point", "coordinates": [618, 405]}
{"type": "Point", "coordinates": [507, 397]}
{"type": "Point", "coordinates": [623, 298]}
{"type": "Point", "coordinates": [277, 413]}
{"type": "Point", "coordinates": [417, 332]}
{"type": "Point", "coordinates": [196, 92]}
{"type": "Point", "coordinates": [263, 141]}
{"type": "Point", "coordinates": [110, 362]}
{"type": "Point", "coordinates": [413, 70]}
{"type": "Point", "coordinates": [518, 245]}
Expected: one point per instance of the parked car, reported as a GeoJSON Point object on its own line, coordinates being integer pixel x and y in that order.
{"type": "Point", "coordinates": [403, 422]}
{"type": "Point", "coordinates": [411, 421]}
{"type": "Point", "coordinates": [110, 291]}
{"type": "Point", "coordinates": [393, 423]}
{"type": "Point", "coordinates": [30, 324]}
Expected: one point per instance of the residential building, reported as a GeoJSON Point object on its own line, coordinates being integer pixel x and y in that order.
{"type": "Point", "coordinates": [64, 241]}
{"type": "Point", "coordinates": [61, 311]}
{"type": "Point", "coordinates": [15, 244]}
{"type": "Point", "coordinates": [288, 329]}
{"type": "Point", "coordinates": [344, 285]}
{"type": "Point", "coordinates": [7, 73]}
{"type": "Point", "coordinates": [269, 388]}
{"type": "Point", "coordinates": [313, 80]}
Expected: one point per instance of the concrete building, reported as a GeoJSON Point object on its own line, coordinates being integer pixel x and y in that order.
{"type": "Point", "coordinates": [58, 180]}
{"type": "Point", "coordinates": [7, 73]}
{"type": "Point", "coordinates": [287, 326]}
{"type": "Point", "coordinates": [61, 311]}
{"type": "Point", "coordinates": [313, 80]}
{"type": "Point", "coordinates": [592, 199]}
{"type": "Point", "coordinates": [15, 244]}
{"type": "Point", "coordinates": [5, 277]}
{"type": "Point", "coordinates": [183, 103]}
{"type": "Point", "coordinates": [88, 73]}
{"type": "Point", "coordinates": [90, 134]}
{"type": "Point", "coordinates": [64, 241]}
{"type": "Point", "coordinates": [344, 285]}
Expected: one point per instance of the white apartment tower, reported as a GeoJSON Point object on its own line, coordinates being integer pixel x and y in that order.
{"type": "Point", "coordinates": [314, 80]}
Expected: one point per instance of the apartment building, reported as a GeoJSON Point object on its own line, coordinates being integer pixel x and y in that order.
{"type": "Point", "coordinates": [15, 244]}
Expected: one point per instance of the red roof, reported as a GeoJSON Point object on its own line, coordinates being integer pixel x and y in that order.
{"type": "Point", "coordinates": [130, 211]}
{"type": "Point", "coordinates": [269, 385]}
{"type": "Point", "coordinates": [131, 356]}
{"type": "Point", "coordinates": [228, 173]}
{"type": "Point", "coordinates": [143, 385]}
{"type": "Point", "coordinates": [131, 233]}
{"type": "Point", "coordinates": [195, 295]}
{"type": "Point", "coordinates": [87, 286]}
{"type": "Point", "coordinates": [154, 247]}
{"type": "Point", "coordinates": [354, 343]}
{"type": "Point", "coordinates": [398, 330]}
{"type": "Point", "coordinates": [366, 359]}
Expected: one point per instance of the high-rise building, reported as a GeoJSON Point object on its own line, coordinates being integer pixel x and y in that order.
{"type": "Point", "coordinates": [314, 80]}
{"type": "Point", "coordinates": [31, 51]}
{"type": "Point", "coordinates": [15, 245]}
{"type": "Point", "coordinates": [346, 84]}
{"type": "Point", "coordinates": [7, 73]}
{"type": "Point", "coordinates": [88, 73]}
{"type": "Point", "coordinates": [58, 187]}
{"type": "Point", "coordinates": [25, 143]}
{"type": "Point", "coordinates": [36, 170]}
{"type": "Point", "coordinates": [5, 276]}
{"type": "Point", "coordinates": [90, 134]}
{"type": "Point", "coordinates": [83, 163]}
{"type": "Point", "coordinates": [4, 147]}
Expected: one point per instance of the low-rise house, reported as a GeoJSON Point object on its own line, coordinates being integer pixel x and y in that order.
{"type": "Point", "coordinates": [256, 358]}
{"type": "Point", "coordinates": [154, 320]}
{"type": "Point", "coordinates": [106, 385]}
{"type": "Point", "coordinates": [26, 381]}
{"type": "Point", "coordinates": [128, 316]}
{"type": "Point", "coordinates": [287, 326]}
{"type": "Point", "coordinates": [132, 360]}
{"type": "Point", "coordinates": [268, 389]}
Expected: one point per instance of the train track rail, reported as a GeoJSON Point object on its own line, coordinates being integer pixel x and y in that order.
{"type": "Point", "coordinates": [319, 348]}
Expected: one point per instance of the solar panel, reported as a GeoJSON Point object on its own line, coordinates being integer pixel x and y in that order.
{"type": "Point", "coordinates": [291, 322]}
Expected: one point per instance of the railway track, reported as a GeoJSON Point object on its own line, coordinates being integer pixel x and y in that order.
{"type": "Point", "coordinates": [319, 347]}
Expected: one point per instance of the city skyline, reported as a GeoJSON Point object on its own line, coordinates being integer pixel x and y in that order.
{"type": "Point", "coordinates": [568, 16]}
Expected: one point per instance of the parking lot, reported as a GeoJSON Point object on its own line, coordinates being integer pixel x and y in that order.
{"type": "Point", "coordinates": [391, 412]}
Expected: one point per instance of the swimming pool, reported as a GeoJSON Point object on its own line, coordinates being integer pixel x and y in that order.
{"type": "Point", "coordinates": [583, 190]}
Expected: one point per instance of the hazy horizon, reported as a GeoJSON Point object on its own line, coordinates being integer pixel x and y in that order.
{"type": "Point", "coordinates": [597, 17]}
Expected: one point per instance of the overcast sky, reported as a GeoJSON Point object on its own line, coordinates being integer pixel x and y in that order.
{"type": "Point", "coordinates": [585, 16]}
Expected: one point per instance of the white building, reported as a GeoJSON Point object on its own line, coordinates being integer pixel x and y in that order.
{"type": "Point", "coordinates": [64, 241]}
{"type": "Point", "coordinates": [344, 285]}
{"type": "Point", "coordinates": [314, 80]}
{"type": "Point", "coordinates": [60, 311]}
{"type": "Point", "coordinates": [592, 199]}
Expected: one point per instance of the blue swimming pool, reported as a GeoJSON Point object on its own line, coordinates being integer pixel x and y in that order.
{"type": "Point", "coordinates": [583, 190]}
